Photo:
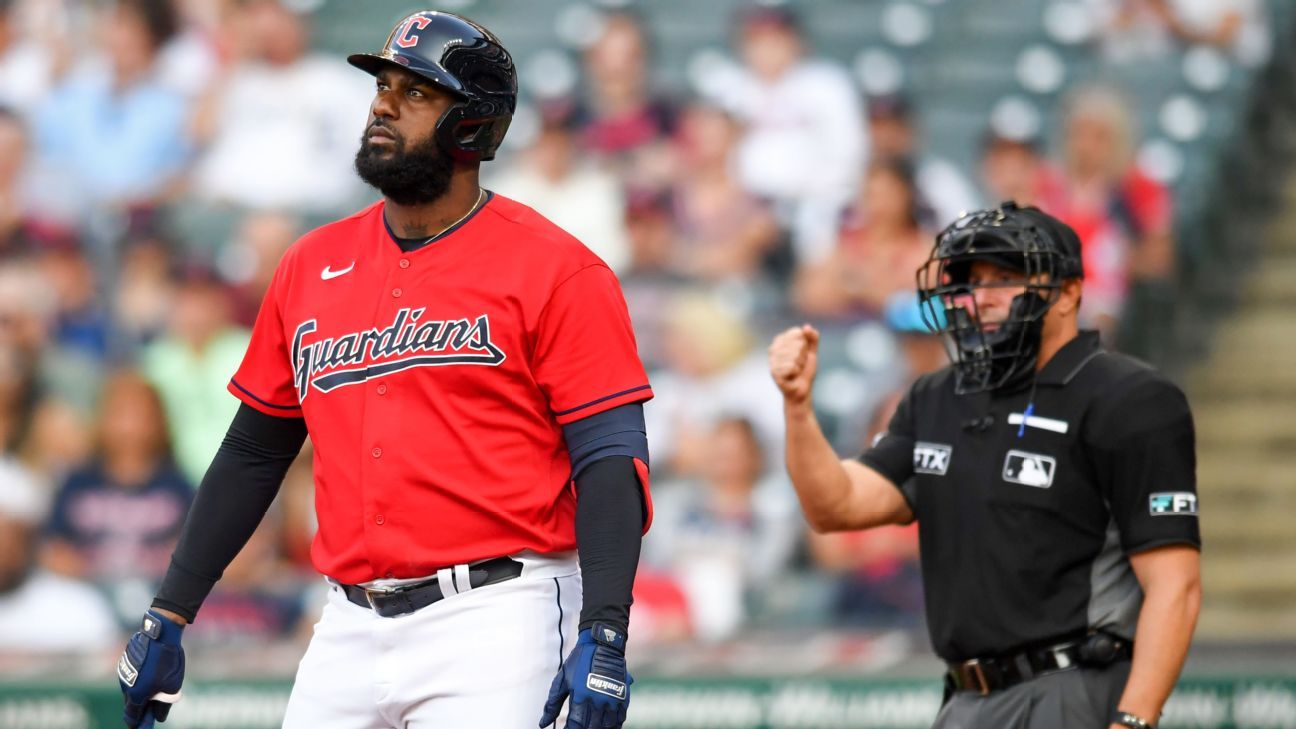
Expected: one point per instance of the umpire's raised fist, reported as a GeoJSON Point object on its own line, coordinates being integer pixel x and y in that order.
{"type": "Point", "coordinates": [793, 360]}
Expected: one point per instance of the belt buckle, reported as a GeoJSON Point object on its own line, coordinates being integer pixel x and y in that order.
{"type": "Point", "coordinates": [371, 591]}
{"type": "Point", "coordinates": [975, 669]}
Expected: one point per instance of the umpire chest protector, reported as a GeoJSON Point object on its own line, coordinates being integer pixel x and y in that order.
{"type": "Point", "coordinates": [1026, 519]}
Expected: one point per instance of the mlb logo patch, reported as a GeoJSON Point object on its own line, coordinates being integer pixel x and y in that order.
{"type": "Point", "coordinates": [1169, 503]}
{"type": "Point", "coordinates": [931, 458]}
{"type": "Point", "coordinates": [1029, 469]}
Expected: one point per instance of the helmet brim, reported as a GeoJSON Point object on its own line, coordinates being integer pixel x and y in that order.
{"type": "Point", "coordinates": [373, 63]}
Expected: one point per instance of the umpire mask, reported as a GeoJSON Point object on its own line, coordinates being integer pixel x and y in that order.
{"type": "Point", "coordinates": [997, 355]}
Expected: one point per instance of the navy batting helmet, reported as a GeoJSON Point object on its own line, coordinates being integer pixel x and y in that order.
{"type": "Point", "coordinates": [1047, 253]}
{"type": "Point", "coordinates": [467, 61]}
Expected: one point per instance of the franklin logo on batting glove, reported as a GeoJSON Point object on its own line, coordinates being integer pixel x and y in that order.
{"type": "Point", "coordinates": [151, 670]}
{"type": "Point", "coordinates": [596, 679]}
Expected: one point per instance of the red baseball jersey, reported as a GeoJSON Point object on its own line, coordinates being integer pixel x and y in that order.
{"type": "Point", "coordinates": [434, 384]}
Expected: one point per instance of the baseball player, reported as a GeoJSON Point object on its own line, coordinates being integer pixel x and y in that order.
{"type": "Point", "coordinates": [1053, 484]}
{"type": "Point", "coordinates": [468, 376]}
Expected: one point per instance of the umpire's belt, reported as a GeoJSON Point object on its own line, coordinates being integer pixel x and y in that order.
{"type": "Point", "coordinates": [390, 602]}
{"type": "Point", "coordinates": [984, 675]}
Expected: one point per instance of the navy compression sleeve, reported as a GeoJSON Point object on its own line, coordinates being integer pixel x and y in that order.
{"type": "Point", "coordinates": [239, 485]}
{"type": "Point", "coordinates": [609, 531]}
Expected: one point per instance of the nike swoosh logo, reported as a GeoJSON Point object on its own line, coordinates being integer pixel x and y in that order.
{"type": "Point", "coordinates": [326, 274]}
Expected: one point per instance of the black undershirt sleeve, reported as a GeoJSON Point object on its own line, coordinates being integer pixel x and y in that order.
{"type": "Point", "coordinates": [609, 531]}
{"type": "Point", "coordinates": [243, 479]}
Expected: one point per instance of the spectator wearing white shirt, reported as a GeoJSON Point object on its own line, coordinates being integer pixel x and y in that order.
{"type": "Point", "coordinates": [281, 130]}
{"type": "Point", "coordinates": [555, 179]}
{"type": "Point", "coordinates": [35, 603]}
{"type": "Point", "coordinates": [805, 141]}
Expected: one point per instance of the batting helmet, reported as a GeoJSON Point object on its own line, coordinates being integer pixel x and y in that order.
{"type": "Point", "coordinates": [467, 61]}
{"type": "Point", "coordinates": [1043, 248]}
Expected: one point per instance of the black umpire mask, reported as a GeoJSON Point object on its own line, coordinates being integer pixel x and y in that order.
{"type": "Point", "coordinates": [406, 174]}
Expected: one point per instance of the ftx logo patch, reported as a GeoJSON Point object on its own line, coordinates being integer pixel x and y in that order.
{"type": "Point", "coordinates": [1169, 503]}
{"type": "Point", "coordinates": [932, 458]}
{"type": "Point", "coordinates": [1029, 469]}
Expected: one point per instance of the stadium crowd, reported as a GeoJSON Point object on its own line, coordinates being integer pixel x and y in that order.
{"type": "Point", "coordinates": [151, 177]}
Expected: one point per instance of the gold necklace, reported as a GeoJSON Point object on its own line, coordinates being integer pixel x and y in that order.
{"type": "Point", "coordinates": [481, 194]}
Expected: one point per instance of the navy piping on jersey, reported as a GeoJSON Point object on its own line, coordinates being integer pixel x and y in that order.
{"type": "Point", "coordinates": [247, 392]}
{"type": "Point", "coordinates": [397, 239]}
{"type": "Point", "coordinates": [601, 399]}
{"type": "Point", "coordinates": [558, 600]}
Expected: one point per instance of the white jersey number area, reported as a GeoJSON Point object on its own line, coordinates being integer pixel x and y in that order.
{"type": "Point", "coordinates": [1029, 469]}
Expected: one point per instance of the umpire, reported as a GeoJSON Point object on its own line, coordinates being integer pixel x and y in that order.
{"type": "Point", "coordinates": [1053, 483]}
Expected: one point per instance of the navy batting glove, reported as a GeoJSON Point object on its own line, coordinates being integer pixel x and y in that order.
{"type": "Point", "coordinates": [151, 670]}
{"type": "Point", "coordinates": [596, 679]}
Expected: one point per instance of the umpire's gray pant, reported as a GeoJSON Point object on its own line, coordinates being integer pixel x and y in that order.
{"type": "Point", "coordinates": [1080, 698]}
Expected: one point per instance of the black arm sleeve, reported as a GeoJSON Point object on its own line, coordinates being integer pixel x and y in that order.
{"type": "Point", "coordinates": [609, 532]}
{"type": "Point", "coordinates": [236, 491]}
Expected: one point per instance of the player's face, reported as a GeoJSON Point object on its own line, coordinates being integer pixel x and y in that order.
{"type": "Point", "coordinates": [398, 153]}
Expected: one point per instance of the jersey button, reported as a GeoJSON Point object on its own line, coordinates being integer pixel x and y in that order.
{"type": "Point", "coordinates": [404, 263]}
{"type": "Point", "coordinates": [382, 389]}
{"type": "Point", "coordinates": [397, 293]}
{"type": "Point", "coordinates": [376, 453]}
{"type": "Point", "coordinates": [379, 520]}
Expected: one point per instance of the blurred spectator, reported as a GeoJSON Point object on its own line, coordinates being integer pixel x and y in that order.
{"type": "Point", "coordinates": [1122, 216]}
{"type": "Point", "coordinates": [724, 232]}
{"type": "Point", "coordinates": [625, 123]}
{"type": "Point", "coordinates": [19, 232]}
{"type": "Point", "coordinates": [805, 140]}
{"type": "Point", "coordinates": [255, 602]}
{"type": "Point", "coordinates": [726, 534]}
{"type": "Point", "coordinates": [29, 64]}
{"type": "Point", "coordinates": [281, 128]}
{"type": "Point", "coordinates": [249, 260]}
{"type": "Point", "coordinates": [879, 580]}
{"type": "Point", "coordinates": [1014, 169]}
{"type": "Point", "coordinates": [661, 608]}
{"type": "Point", "coordinates": [554, 177]}
{"type": "Point", "coordinates": [880, 246]}
{"type": "Point", "coordinates": [941, 185]}
{"type": "Point", "coordinates": [713, 370]}
{"type": "Point", "coordinates": [112, 133]}
{"type": "Point", "coordinates": [117, 518]}
{"type": "Point", "coordinates": [81, 324]}
{"type": "Point", "coordinates": [297, 513]}
{"type": "Point", "coordinates": [191, 366]}
{"type": "Point", "coordinates": [41, 612]}
{"type": "Point", "coordinates": [142, 300]}
{"type": "Point", "coordinates": [1135, 30]}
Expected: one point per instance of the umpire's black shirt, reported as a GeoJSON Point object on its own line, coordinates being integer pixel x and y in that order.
{"type": "Point", "coordinates": [1025, 537]}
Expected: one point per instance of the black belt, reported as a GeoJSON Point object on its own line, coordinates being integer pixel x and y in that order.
{"type": "Point", "coordinates": [390, 602]}
{"type": "Point", "coordinates": [984, 675]}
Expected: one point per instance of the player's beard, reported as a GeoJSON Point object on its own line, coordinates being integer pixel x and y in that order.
{"type": "Point", "coordinates": [406, 175]}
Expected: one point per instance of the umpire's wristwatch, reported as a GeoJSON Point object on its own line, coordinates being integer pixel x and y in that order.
{"type": "Point", "coordinates": [1124, 718]}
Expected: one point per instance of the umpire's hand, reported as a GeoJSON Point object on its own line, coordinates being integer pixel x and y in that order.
{"type": "Point", "coordinates": [151, 670]}
{"type": "Point", "coordinates": [594, 676]}
{"type": "Point", "coordinates": [793, 361]}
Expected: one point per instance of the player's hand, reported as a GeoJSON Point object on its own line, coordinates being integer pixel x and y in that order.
{"type": "Point", "coordinates": [595, 677]}
{"type": "Point", "coordinates": [151, 670]}
{"type": "Point", "coordinates": [793, 362]}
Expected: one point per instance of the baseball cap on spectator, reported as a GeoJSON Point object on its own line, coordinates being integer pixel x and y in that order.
{"type": "Point", "coordinates": [890, 106]}
{"type": "Point", "coordinates": [768, 16]}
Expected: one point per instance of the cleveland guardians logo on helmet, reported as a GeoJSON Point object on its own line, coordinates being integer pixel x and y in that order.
{"type": "Point", "coordinates": [464, 59]}
{"type": "Point", "coordinates": [1046, 252]}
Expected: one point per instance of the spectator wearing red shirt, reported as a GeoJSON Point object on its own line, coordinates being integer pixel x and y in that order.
{"type": "Point", "coordinates": [1123, 217]}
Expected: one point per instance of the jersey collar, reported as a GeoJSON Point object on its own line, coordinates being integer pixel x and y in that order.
{"type": "Point", "coordinates": [1070, 359]}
